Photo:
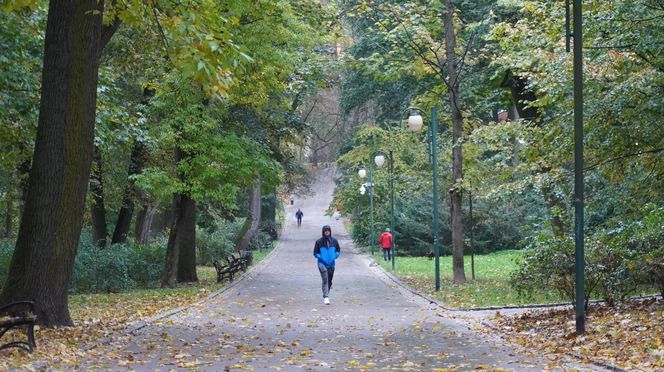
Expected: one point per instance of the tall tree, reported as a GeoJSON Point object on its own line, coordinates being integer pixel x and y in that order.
{"type": "Point", "coordinates": [53, 215]}
{"type": "Point", "coordinates": [452, 82]}
{"type": "Point", "coordinates": [251, 225]}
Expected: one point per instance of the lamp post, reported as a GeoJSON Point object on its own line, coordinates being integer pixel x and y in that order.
{"type": "Point", "coordinates": [579, 255]}
{"type": "Point", "coordinates": [369, 185]}
{"type": "Point", "coordinates": [415, 124]}
{"type": "Point", "coordinates": [380, 160]}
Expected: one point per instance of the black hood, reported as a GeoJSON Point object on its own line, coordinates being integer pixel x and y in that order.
{"type": "Point", "coordinates": [328, 228]}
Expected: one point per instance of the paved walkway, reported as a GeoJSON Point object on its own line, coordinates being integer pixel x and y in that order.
{"type": "Point", "coordinates": [275, 319]}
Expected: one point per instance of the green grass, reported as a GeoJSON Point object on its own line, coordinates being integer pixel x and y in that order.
{"type": "Point", "coordinates": [490, 287]}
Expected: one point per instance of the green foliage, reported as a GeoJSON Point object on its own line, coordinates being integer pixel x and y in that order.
{"type": "Point", "coordinates": [547, 265]}
{"type": "Point", "coordinates": [6, 251]}
{"type": "Point", "coordinates": [613, 270]}
{"type": "Point", "coordinates": [643, 244]}
{"type": "Point", "coordinates": [261, 241]}
{"type": "Point", "coordinates": [117, 267]}
{"type": "Point", "coordinates": [216, 241]}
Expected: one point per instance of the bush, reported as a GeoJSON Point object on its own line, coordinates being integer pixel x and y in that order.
{"type": "Point", "coordinates": [617, 262]}
{"type": "Point", "coordinates": [116, 267]}
{"type": "Point", "coordinates": [146, 262]}
{"type": "Point", "coordinates": [101, 270]}
{"type": "Point", "coordinates": [548, 264]}
{"type": "Point", "coordinates": [271, 228]}
{"type": "Point", "coordinates": [216, 241]}
{"type": "Point", "coordinates": [644, 241]}
{"type": "Point", "coordinates": [259, 241]}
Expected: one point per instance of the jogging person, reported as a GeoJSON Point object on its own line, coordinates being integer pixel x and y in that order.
{"type": "Point", "coordinates": [326, 250]}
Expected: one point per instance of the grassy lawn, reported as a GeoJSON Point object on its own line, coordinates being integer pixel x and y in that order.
{"type": "Point", "coordinates": [490, 288]}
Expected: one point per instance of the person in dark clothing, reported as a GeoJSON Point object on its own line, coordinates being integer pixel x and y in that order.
{"type": "Point", "coordinates": [326, 250]}
{"type": "Point", "coordinates": [299, 215]}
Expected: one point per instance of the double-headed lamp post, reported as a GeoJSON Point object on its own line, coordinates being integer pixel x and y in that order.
{"type": "Point", "coordinates": [415, 124]}
{"type": "Point", "coordinates": [363, 189]}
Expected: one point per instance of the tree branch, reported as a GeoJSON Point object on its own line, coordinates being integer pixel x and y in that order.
{"type": "Point", "coordinates": [610, 160]}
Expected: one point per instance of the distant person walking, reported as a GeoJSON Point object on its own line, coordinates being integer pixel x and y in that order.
{"type": "Point", "coordinates": [386, 243]}
{"type": "Point", "coordinates": [326, 250]}
{"type": "Point", "coordinates": [299, 214]}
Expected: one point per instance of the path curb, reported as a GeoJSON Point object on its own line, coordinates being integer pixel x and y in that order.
{"type": "Point", "coordinates": [374, 264]}
{"type": "Point", "coordinates": [144, 323]}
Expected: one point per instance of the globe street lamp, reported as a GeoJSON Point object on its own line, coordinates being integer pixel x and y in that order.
{"type": "Point", "coordinates": [415, 124]}
{"type": "Point", "coordinates": [363, 189]}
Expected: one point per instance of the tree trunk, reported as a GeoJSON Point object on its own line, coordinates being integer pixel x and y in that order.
{"type": "Point", "coordinates": [253, 218]}
{"type": "Point", "coordinates": [186, 241]}
{"type": "Point", "coordinates": [98, 208]}
{"type": "Point", "coordinates": [558, 211]}
{"type": "Point", "coordinates": [169, 277]}
{"type": "Point", "coordinates": [50, 226]}
{"type": "Point", "coordinates": [144, 219]}
{"type": "Point", "coordinates": [457, 159]}
{"type": "Point", "coordinates": [136, 163]}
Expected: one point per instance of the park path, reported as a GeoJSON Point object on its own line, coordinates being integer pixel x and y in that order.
{"type": "Point", "coordinates": [274, 318]}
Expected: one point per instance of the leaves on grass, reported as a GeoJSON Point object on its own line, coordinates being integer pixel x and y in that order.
{"type": "Point", "coordinates": [629, 335]}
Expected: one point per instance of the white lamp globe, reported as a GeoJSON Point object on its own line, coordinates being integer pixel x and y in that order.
{"type": "Point", "coordinates": [362, 173]}
{"type": "Point", "coordinates": [363, 190]}
{"type": "Point", "coordinates": [415, 122]}
{"type": "Point", "coordinates": [379, 160]}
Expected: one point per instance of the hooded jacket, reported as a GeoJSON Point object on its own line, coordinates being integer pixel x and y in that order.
{"type": "Point", "coordinates": [327, 249]}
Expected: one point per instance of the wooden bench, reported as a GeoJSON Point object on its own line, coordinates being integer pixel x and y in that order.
{"type": "Point", "coordinates": [19, 315]}
{"type": "Point", "coordinates": [235, 263]}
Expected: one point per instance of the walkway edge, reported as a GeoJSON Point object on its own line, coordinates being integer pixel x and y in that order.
{"type": "Point", "coordinates": [373, 264]}
{"type": "Point", "coordinates": [133, 327]}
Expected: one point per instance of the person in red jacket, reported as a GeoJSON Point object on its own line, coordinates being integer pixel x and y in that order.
{"type": "Point", "coordinates": [386, 243]}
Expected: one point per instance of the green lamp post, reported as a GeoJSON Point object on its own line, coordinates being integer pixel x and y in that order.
{"type": "Point", "coordinates": [415, 124]}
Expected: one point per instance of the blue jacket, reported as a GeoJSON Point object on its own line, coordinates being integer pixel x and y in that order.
{"type": "Point", "coordinates": [326, 250]}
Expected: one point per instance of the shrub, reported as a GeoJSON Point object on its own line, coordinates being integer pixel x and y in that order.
{"type": "Point", "coordinates": [644, 240]}
{"type": "Point", "coordinates": [259, 241]}
{"type": "Point", "coordinates": [548, 264]}
{"type": "Point", "coordinates": [146, 262]}
{"type": "Point", "coordinates": [116, 267]}
{"type": "Point", "coordinates": [217, 241]}
{"type": "Point", "coordinates": [271, 228]}
{"type": "Point", "coordinates": [101, 270]}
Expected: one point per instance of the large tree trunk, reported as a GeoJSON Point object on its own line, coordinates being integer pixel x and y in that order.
{"type": "Point", "coordinates": [253, 219]}
{"type": "Point", "coordinates": [136, 163]}
{"type": "Point", "coordinates": [50, 226]}
{"type": "Point", "coordinates": [98, 208]}
{"type": "Point", "coordinates": [457, 159]}
{"type": "Point", "coordinates": [169, 277]}
{"type": "Point", "coordinates": [186, 241]}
